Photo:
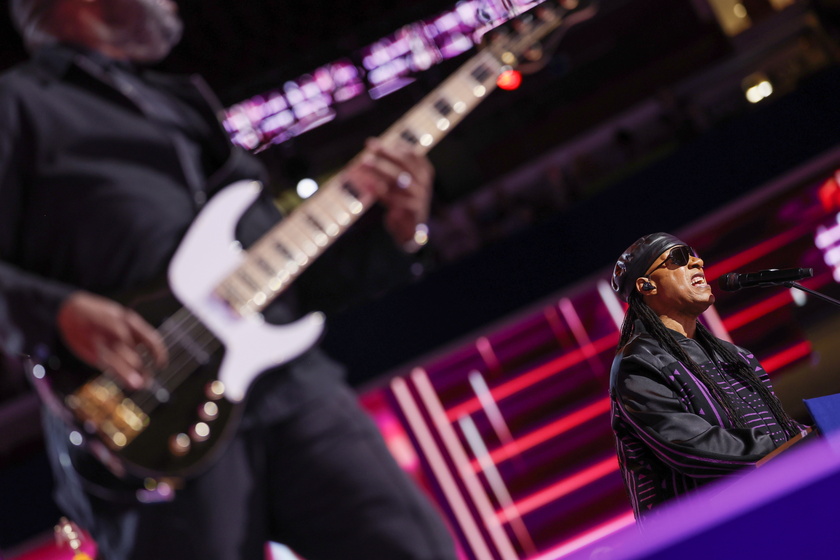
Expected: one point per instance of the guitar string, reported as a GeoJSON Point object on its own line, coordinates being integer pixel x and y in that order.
{"type": "Point", "coordinates": [180, 326]}
{"type": "Point", "coordinates": [181, 369]}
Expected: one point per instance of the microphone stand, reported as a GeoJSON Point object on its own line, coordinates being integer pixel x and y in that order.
{"type": "Point", "coordinates": [812, 292]}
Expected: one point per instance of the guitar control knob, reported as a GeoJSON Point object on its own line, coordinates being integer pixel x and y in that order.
{"type": "Point", "coordinates": [208, 411]}
{"type": "Point", "coordinates": [179, 444]}
{"type": "Point", "coordinates": [200, 432]}
{"type": "Point", "coordinates": [215, 390]}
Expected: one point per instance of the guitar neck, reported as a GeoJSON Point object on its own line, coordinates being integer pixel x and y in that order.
{"type": "Point", "coordinates": [290, 247]}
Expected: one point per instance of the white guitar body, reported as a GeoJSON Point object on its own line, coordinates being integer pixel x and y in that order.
{"type": "Point", "coordinates": [207, 254]}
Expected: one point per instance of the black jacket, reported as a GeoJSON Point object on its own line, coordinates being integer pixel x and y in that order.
{"type": "Point", "coordinates": [671, 434]}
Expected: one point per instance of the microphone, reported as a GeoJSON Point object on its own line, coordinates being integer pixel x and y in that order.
{"type": "Point", "coordinates": [774, 277]}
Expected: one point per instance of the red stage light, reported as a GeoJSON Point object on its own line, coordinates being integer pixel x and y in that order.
{"type": "Point", "coordinates": [829, 194]}
{"type": "Point", "coordinates": [509, 80]}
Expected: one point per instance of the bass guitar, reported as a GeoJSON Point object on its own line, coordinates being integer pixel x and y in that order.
{"type": "Point", "coordinates": [217, 341]}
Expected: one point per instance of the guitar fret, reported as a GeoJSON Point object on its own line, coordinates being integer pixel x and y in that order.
{"type": "Point", "coordinates": [301, 239]}
{"type": "Point", "coordinates": [355, 205]}
{"type": "Point", "coordinates": [331, 228]}
{"type": "Point", "coordinates": [275, 277]}
{"type": "Point", "coordinates": [453, 111]}
{"type": "Point", "coordinates": [462, 90]}
{"type": "Point", "coordinates": [330, 204]}
{"type": "Point", "coordinates": [256, 295]}
{"type": "Point", "coordinates": [457, 99]}
{"type": "Point", "coordinates": [350, 188]}
{"type": "Point", "coordinates": [308, 238]}
{"type": "Point", "coordinates": [275, 261]}
{"type": "Point", "coordinates": [279, 280]}
{"type": "Point", "coordinates": [283, 250]}
{"type": "Point", "coordinates": [297, 255]}
{"type": "Point", "coordinates": [229, 293]}
{"type": "Point", "coordinates": [290, 248]}
{"type": "Point", "coordinates": [434, 126]}
{"type": "Point", "coordinates": [247, 280]}
{"type": "Point", "coordinates": [271, 278]}
{"type": "Point", "coordinates": [291, 260]}
{"type": "Point", "coordinates": [481, 73]}
{"type": "Point", "coordinates": [409, 137]}
{"type": "Point", "coordinates": [266, 267]}
{"type": "Point", "coordinates": [278, 275]}
{"type": "Point", "coordinates": [321, 236]}
{"type": "Point", "coordinates": [491, 63]}
{"type": "Point", "coordinates": [443, 107]}
{"type": "Point", "coordinates": [421, 121]}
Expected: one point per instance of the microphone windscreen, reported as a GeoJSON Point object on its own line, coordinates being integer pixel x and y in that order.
{"type": "Point", "coordinates": [729, 282]}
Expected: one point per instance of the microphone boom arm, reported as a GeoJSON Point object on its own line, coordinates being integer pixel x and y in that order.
{"type": "Point", "coordinates": [823, 297]}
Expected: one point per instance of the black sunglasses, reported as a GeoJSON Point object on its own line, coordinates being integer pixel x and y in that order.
{"type": "Point", "coordinates": [679, 255]}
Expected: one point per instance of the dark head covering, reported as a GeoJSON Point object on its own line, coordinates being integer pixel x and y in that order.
{"type": "Point", "coordinates": [636, 260]}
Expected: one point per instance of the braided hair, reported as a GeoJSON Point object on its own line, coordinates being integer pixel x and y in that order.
{"type": "Point", "coordinates": [653, 324]}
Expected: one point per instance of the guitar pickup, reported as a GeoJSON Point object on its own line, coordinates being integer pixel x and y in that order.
{"type": "Point", "coordinates": [102, 407]}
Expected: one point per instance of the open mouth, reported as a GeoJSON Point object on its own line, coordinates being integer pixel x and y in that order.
{"type": "Point", "coordinates": [698, 280]}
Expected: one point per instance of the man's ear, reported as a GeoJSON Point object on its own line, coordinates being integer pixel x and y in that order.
{"type": "Point", "coordinates": [645, 286]}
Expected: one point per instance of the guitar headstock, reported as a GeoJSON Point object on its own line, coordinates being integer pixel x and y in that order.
{"type": "Point", "coordinates": [527, 41]}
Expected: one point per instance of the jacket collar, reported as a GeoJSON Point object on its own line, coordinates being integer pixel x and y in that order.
{"type": "Point", "coordinates": [639, 328]}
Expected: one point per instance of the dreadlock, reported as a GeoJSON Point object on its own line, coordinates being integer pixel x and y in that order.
{"type": "Point", "coordinates": [653, 324]}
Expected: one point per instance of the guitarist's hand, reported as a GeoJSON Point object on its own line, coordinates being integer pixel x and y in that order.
{"type": "Point", "coordinates": [110, 337]}
{"type": "Point", "coordinates": [402, 180]}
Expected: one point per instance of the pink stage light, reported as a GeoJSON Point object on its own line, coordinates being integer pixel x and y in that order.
{"type": "Point", "coordinates": [787, 356]}
{"type": "Point", "coordinates": [560, 489]}
{"type": "Point", "coordinates": [588, 537]}
{"type": "Point", "coordinates": [534, 376]}
{"type": "Point", "coordinates": [547, 432]}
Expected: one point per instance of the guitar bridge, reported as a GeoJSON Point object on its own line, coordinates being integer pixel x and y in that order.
{"type": "Point", "coordinates": [101, 405]}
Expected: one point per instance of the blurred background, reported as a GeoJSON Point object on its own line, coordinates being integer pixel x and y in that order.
{"type": "Point", "coordinates": [487, 370]}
